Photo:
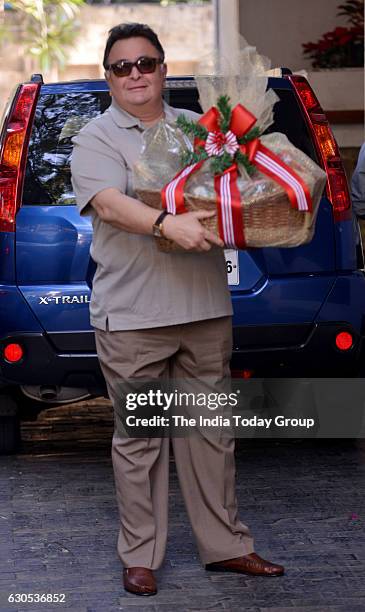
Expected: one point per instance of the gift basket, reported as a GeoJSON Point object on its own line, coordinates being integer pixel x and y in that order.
{"type": "Point", "coordinates": [265, 191]}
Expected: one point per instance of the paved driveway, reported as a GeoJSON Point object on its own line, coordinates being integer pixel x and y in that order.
{"type": "Point", "coordinates": [304, 502]}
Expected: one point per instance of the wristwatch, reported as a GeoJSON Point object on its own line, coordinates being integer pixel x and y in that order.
{"type": "Point", "coordinates": [157, 226]}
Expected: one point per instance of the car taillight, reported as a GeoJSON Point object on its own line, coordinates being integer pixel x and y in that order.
{"type": "Point", "coordinates": [13, 153]}
{"type": "Point", "coordinates": [13, 352]}
{"type": "Point", "coordinates": [327, 149]}
{"type": "Point", "coordinates": [242, 374]}
{"type": "Point", "coordinates": [344, 341]}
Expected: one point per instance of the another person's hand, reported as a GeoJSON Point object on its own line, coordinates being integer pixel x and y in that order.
{"type": "Point", "coordinates": [187, 231]}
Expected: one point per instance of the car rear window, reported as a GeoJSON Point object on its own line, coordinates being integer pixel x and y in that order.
{"type": "Point", "coordinates": [59, 116]}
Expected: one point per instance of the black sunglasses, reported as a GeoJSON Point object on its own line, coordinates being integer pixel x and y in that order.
{"type": "Point", "coordinates": [144, 65]}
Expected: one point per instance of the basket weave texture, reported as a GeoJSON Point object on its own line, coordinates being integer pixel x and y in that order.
{"type": "Point", "coordinates": [271, 221]}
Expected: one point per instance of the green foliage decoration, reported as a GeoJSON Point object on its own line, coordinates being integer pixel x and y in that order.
{"type": "Point", "coordinates": [50, 29]}
{"type": "Point", "coordinates": [225, 111]}
{"type": "Point", "coordinates": [251, 135]}
{"type": "Point", "coordinates": [221, 163]}
{"type": "Point", "coordinates": [190, 127]}
{"type": "Point", "coordinates": [194, 157]}
{"type": "Point", "coordinates": [243, 160]}
{"type": "Point", "coordinates": [218, 163]}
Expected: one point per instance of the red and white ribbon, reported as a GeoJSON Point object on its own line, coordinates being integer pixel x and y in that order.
{"type": "Point", "coordinates": [173, 193]}
{"type": "Point", "coordinates": [229, 211]}
{"type": "Point", "coordinates": [217, 143]}
{"type": "Point", "coordinates": [274, 167]}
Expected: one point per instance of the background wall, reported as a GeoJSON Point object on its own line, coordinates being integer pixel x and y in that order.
{"type": "Point", "coordinates": [179, 28]}
{"type": "Point", "coordinates": [186, 32]}
{"type": "Point", "coordinates": [278, 27]}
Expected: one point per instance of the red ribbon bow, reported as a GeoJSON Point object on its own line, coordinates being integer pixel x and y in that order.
{"type": "Point", "coordinates": [241, 123]}
{"type": "Point", "coordinates": [229, 210]}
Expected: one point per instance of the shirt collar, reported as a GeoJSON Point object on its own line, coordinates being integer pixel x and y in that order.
{"type": "Point", "coordinates": [122, 118]}
{"type": "Point", "coordinates": [126, 120]}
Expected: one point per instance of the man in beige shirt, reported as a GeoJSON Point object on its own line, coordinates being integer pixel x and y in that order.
{"type": "Point", "coordinates": [156, 314]}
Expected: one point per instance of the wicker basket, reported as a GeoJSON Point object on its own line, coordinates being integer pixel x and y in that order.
{"type": "Point", "coordinates": [267, 221]}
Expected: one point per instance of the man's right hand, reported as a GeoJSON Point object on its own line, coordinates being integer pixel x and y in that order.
{"type": "Point", "coordinates": [187, 231]}
{"type": "Point", "coordinates": [131, 215]}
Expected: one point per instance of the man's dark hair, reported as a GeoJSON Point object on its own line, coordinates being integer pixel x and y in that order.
{"type": "Point", "coordinates": [131, 30]}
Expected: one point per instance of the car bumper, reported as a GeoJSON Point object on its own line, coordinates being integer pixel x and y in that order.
{"type": "Point", "coordinates": [69, 359]}
{"type": "Point", "coordinates": [307, 349]}
{"type": "Point", "coordinates": [71, 362]}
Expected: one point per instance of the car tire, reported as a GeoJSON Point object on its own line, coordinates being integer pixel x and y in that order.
{"type": "Point", "coordinates": [9, 425]}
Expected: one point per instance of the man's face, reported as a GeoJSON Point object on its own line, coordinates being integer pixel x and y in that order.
{"type": "Point", "coordinates": [136, 90]}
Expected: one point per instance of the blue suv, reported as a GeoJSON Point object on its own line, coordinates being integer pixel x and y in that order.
{"type": "Point", "coordinates": [297, 311]}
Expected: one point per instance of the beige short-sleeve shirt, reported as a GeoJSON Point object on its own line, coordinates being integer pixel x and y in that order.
{"type": "Point", "coordinates": [136, 286]}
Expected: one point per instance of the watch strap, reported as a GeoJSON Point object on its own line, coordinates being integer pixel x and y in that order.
{"type": "Point", "coordinates": [161, 217]}
{"type": "Point", "coordinates": [157, 226]}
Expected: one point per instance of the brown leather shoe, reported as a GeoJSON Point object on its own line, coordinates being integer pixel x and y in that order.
{"type": "Point", "coordinates": [139, 580]}
{"type": "Point", "coordinates": [248, 564]}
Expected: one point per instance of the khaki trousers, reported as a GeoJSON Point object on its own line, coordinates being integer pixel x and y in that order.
{"type": "Point", "coordinates": [205, 467]}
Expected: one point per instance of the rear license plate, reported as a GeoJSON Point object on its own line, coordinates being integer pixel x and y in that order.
{"type": "Point", "coordinates": [232, 266]}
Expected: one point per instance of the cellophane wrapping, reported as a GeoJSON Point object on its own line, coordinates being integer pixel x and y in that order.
{"type": "Point", "coordinates": [269, 220]}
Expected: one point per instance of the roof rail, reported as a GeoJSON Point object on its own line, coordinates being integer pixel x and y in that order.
{"type": "Point", "coordinates": [37, 78]}
{"type": "Point", "coordinates": [278, 72]}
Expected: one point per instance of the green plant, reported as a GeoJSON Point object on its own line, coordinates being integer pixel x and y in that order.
{"type": "Point", "coordinates": [50, 29]}
{"type": "Point", "coordinates": [343, 46]}
{"type": "Point", "coordinates": [354, 11]}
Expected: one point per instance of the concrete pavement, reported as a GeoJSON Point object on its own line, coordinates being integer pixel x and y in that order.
{"type": "Point", "coordinates": [303, 500]}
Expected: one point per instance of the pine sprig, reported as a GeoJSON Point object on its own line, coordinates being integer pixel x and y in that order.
{"type": "Point", "coordinates": [190, 127]}
{"type": "Point", "coordinates": [193, 157]}
{"type": "Point", "coordinates": [219, 164]}
{"type": "Point", "coordinates": [251, 135]}
{"type": "Point", "coordinates": [242, 159]}
{"type": "Point", "coordinates": [225, 110]}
